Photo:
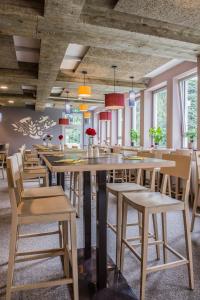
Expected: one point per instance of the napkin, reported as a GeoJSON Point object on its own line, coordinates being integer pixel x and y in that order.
{"type": "Point", "coordinates": [70, 161]}
{"type": "Point", "coordinates": [133, 157]}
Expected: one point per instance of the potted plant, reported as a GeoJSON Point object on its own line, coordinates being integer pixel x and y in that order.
{"type": "Point", "coordinates": [134, 135]}
{"type": "Point", "coordinates": [191, 135]}
{"type": "Point", "coordinates": [156, 134]}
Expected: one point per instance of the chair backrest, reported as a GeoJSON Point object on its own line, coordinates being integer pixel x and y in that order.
{"type": "Point", "coordinates": [197, 154]}
{"type": "Point", "coordinates": [158, 153]}
{"type": "Point", "coordinates": [2, 158]}
{"type": "Point", "coordinates": [181, 170]}
{"type": "Point", "coordinates": [187, 152]}
{"type": "Point", "coordinates": [14, 182]}
{"type": "Point", "coordinates": [19, 161]}
{"type": "Point", "coordinates": [145, 154]}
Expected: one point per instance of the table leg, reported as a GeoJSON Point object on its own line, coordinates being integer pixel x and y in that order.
{"type": "Point", "coordinates": [87, 212]}
{"type": "Point", "coordinates": [101, 248]}
{"type": "Point", "coordinates": [50, 178]}
{"type": "Point", "coordinates": [61, 179]}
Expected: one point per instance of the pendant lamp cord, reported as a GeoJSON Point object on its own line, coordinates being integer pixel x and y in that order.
{"type": "Point", "coordinates": [114, 70]}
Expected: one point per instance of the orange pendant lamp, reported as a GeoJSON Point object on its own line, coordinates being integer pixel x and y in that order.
{"type": "Point", "coordinates": [83, 107]}
{"type": "Point", "coordinates": [87, 115]}
{"type": "Point", "coordinates": [84, 90]}
{"type": "Point", "coordinates": [114, 100]}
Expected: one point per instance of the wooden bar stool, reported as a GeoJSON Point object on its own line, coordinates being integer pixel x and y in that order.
{"type": "Point", "coordinates": [2, 162]}
{"type": "Point", "coordinates": [35, 172]}
{"type": "Point", "coordinates": [197, 194]}
{"type": "Point", "coordinates": [41, 210]}
{"type": "Point", "coordinates": [153, 203]}
{"type": "Point", "coordinates": [117, 189]}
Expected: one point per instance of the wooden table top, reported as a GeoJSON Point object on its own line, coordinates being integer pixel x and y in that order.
{"type": "Point", "coordinates": [103, 163]}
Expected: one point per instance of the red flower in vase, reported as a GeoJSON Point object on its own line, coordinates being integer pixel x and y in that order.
{"type": "Point", "coordinates": [90, 131]}
{"type": "Point", "coordinates": [61, 137]}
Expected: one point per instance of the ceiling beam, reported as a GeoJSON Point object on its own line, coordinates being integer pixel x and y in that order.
{"type": "Point", "coordinates": [109, 18]}
{"type": "Point", "coordinates": [64, 78]}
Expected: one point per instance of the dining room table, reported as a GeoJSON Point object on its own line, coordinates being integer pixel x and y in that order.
{"type": "Point", "coordinates": [101, 165]}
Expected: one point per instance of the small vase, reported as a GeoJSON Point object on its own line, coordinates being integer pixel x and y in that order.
{"type": "Point", "coordinates": [90, 147]}
{"type": "Point", "coordinates": [44, 143]}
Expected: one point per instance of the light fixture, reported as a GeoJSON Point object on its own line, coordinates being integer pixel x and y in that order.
{"type": "Point", "coordinates": [11, 101]}
{"type": "Point", "coordinates": [105, 116]}
{"type": "Point", "coordinates": [63, 121]}
{"type": "Point", "coordinates": [84, 90]}
{"type": "Point", "coordinates": [67, 105]}
{"type": "Point", "coordinates": [131, 99]}
{"type": "Point", "coordinates": [4, 87]}
{"type": "Point", "coordinates": [83, 107]}
{"type": "Point", "coordinates": [87, 115]}
{"type": "Point", "coordinates": [114, 100]}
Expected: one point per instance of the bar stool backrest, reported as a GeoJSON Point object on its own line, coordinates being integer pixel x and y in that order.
{"type": "Point", "coordinates": [158, 153]}
{"type": "Point", "coordinates": [187, 152]}
{"type": "Point", "coordinates": [181, 170]}
{"type": "Point", "coordinates": [197, 154]}
{"type": "Point", "coordinates": [145, 154]}
{"type": "Point", "coordinates": [13, 176]}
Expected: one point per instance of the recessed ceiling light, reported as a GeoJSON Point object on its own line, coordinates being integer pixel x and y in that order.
{"type": "Point", "coordinates": [11, 101]}
{"type": "Point", "coordinates": [4, 87]}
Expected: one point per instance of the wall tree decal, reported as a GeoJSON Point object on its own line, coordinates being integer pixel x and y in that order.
{"type": "Point", "coordinates": [34, 129]}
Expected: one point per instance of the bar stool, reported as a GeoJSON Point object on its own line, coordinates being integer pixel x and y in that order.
{"type": "Point", "coordinates": [35, 172]}
{"type": "Point", "coordinates": [41, 210]}
{"type": "Point", "coordinates": [117, 189]}
{"type": "Point", "coordinates": [153, 203]}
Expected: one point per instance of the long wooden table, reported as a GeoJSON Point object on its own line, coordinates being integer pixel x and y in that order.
{"type": "Point", "coordinates": [101, 165]}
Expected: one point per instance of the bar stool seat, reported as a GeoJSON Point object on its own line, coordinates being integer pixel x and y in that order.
{"type": "Point", "coordinates": [44, 208]}
{"type": "Point", "coordinates": [125, 187]}
{"type": "Point", "coordinates": [153, 200]}
{"type": "Point", "coordinates": [40, 192]}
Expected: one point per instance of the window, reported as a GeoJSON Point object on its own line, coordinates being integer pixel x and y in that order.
{"type": "Point", "coordinates": [135, 120]}
{"type": "Point", "coordinates": [160, 112]}
{"type": "Point", "coordinates": [73, 133]}
{"type": "Point", "coordinates": [188, 93]}
{"type": "Point", "coordinates": [119, 126]}
{"type": "Point", "coordinates": [108, 141]}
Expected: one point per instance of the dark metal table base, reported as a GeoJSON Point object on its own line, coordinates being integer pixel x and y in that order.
{"type": "Point", "coordinates": [117, 287]}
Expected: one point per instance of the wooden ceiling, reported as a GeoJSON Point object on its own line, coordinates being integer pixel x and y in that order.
{"type": "Point", "coordinates": [136, 35]}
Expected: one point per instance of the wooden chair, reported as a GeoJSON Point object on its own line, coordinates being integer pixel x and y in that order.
{"type": "Point", "coordinates": [117, 189]}
{"type": "Point", "coordinates": [2, 162]}
{"type": "Point", "coordinates": [153, 203]}
{"type": "Point", "coordinates": [40, 210]}
{"type": "Point", "coordinates": [32, 173]}
{"type": "Point", "coordinates": [197, 194]}
{"type": "Point", "coordinates": [75, 190]}
{"type": "Point", "coordinates": [35, 192]}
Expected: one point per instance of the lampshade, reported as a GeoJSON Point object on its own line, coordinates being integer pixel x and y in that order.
{"type": "Point", "coordinates": [114, 101]}
{"type": "Point", "coordinates": [105, 116]}
{"type": "Point", "coordinates": [84, 91]}
{"type": "Point", "coordinates": [131, 99]}
{"type": "Point", "coordinates": [63, 121]}
{"type": "Point", "coordinates": [87, 115]}
{"type": "Point", "coordinates": [83, 107]}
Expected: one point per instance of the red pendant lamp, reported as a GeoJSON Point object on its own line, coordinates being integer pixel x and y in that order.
{"type": "Point", "coordinates": [63, 121]}
{"type": "Point", "coordinates": [105, 116]}
{"type": "Point", "coordinates": [114, 100]}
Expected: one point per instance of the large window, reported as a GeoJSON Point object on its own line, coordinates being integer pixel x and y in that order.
{"type": "Point", "coordinates": [160, 112]}
{"type": "Point", "coordinates": [73, 133]}
{"type": "Point", "coordinates": [119, 126]}
{"type": "Point", "coordinates": [135, 118]}
{"type": "Point", "coordinates": [188, 93]}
